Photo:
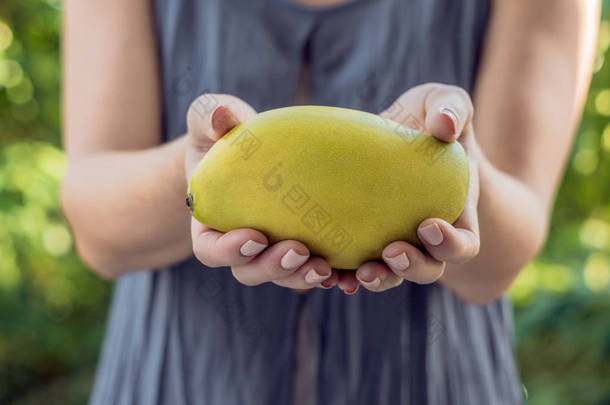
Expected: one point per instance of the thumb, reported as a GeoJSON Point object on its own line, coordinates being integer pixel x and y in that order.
{"type": "Point", "coordinates": [448, 112]}
{"type": "Point", "coordinates": [211, 116]}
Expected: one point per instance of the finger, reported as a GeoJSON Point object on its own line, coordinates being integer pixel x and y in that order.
{"type": "Point", "coordinates": [447, 243]}
{"type": "Point", "coordinates": [377, 277]}
{"type": "Point", "coordinates": [410, 263]}
{"type": "Point", "coordinates": [448, 111]}
{"type": "Point", "coordinates": [222, 120]}
{"type": "Point", "coordinates": [348, 281]}
{"type": "Point", "coordinates": [210, 116]}
{"type": "Point", "coordinates": [277, 261]}
{"type": "Point", "coordinates": [460, 242]}
{"type": "Point", "coordinates": [314, 271]}
{"type": "Point", "coordinates": [330, 282]}
{"type": "Point", "coordinates": [442, 110]}
{"type": "Point", "coordinates": [216, 249]}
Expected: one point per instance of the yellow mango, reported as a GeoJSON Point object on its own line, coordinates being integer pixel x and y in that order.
{"type": "Point", "coordinates": [344, 182]}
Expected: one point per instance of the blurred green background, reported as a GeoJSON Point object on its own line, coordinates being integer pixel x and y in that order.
{"type": "Point", "coordinates": [52, 310]}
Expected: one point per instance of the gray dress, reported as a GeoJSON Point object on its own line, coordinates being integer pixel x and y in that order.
{"type": "Point", "coordinates": [188, 334]}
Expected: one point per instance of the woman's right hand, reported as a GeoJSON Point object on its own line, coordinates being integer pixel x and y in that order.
{"type": "Point", "coordinates": [287, 263]}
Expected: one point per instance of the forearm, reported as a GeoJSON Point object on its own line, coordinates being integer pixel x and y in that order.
{"type": "Point", "coordinates": [512, 223]}
{"type": "Point", "coordinates": [126, 208]}
{"type": "Point", "coordinates": [534, 73]}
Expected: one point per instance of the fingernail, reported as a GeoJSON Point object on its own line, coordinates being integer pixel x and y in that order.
{"type": "Point", "coordinates": [431, 234]}
{"type": "Point", "coordinates": [214, 115]}
{"type": "Point", "coordinates": [326, 284]}
{"type": "Point", "coordinates": [250, 248]}
{"type": "Point", "coordinates": [452, 115]}
{"type": "Point", "coordinates": [314, 278]}
{"type": "Point", "coordinates": [371, 284]}
{"type": "Point", "coordinates": [367, 276]}
{"type": "Point", "coordinates": [350, 292]}
{"type": "Point", "coordinates": [399, 263]}
{"type": "Point", "coordinates": [291, 260]}
{"type": "Point", "coordinates": [222, 119]}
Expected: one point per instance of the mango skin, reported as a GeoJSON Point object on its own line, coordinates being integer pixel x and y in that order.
{"type": "Point", "coordinates": [344, 182]}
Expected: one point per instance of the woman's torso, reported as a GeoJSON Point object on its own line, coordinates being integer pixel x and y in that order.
{"type": "Point", "coordinates": [192, 335]}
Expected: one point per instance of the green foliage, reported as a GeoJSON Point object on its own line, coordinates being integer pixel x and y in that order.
{"type": "Point", "coordinates": [562, 300]}
{"type": "Point", "coordinates": [52, 309]}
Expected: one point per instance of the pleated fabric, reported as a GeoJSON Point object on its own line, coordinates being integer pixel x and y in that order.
{"type": "Point", "coordinates": [188, 334]}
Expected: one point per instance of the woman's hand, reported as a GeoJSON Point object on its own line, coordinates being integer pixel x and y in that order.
{"type": "Point", "coordinates": [286, 263]}
{"type": "Point", "coordinates": [446, 113]}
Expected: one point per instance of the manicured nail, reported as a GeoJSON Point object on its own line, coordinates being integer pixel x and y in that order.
{"type": "Point", "coordinates": [214, 115]}
{"type": "Point", "coordinates": [326, 284]}
{"type": "Point", "coordinates": [431, 234]}
{"type": "Point", "coordinates": [369, 278]}
{"type": "Point", "coordinates": [350, 292]}
{"type": "Point", "coordinates": [222, 120]}
{"type": "Point", "coordinates": [371, 284]}
{"type": "Point", "coordinates": [314, 278]}
{"type": "Point", "coordinates": [398, 263]}
{"type": "Point", "coordinates": [291, 260]}
{"type": "Point", "coordinates": [452, 115]}
{"type": "Point", "coordinates": [250, 248]}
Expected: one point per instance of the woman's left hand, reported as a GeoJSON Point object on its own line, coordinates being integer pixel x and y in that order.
{"type": "Point", "coordinates": [445, 112]}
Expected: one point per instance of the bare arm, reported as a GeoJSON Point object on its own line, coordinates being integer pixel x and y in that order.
{"type": "Point", "coordinates": [535, 74]}
{"type": "Point", "coordinates": [123, 194]}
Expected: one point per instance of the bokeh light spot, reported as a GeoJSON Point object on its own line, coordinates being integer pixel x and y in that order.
{"type": "Point", "coordinates": [585, 161]}
{"type": "Point", "coordinates": [57, 240]}
{"type": "Point", "coordinates": [11, 73]}
{"type": "Point", "coordinates": [595, 233]}
{"type": "Point", "coordinates": [603, 39]}
{"type": "Point", "coordinates": [21, 93]}
{"type": "Point", "coordinates": [597, 272]}
{"type": "Point", "coordinates": [602, 102]}
{"type": "Point", "coordinates": [539, 275]}
{"type": "Point", "coordinates": [554, 277]}
{"type": "Point", "coordinates": [6, 36]}
{"type": "Point", "coordinates": [51, 161]}
{"type": "Point", "coordinates": [524, 285]}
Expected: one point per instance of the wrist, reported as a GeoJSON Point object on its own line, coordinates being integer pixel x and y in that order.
{"type": "Point", "coordinates": [178, 164]}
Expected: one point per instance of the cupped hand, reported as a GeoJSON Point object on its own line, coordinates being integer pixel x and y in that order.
{"type": "Point", "coordinates": [287, 263]}
{"type": "Point", "coordinates": [444, 112]}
